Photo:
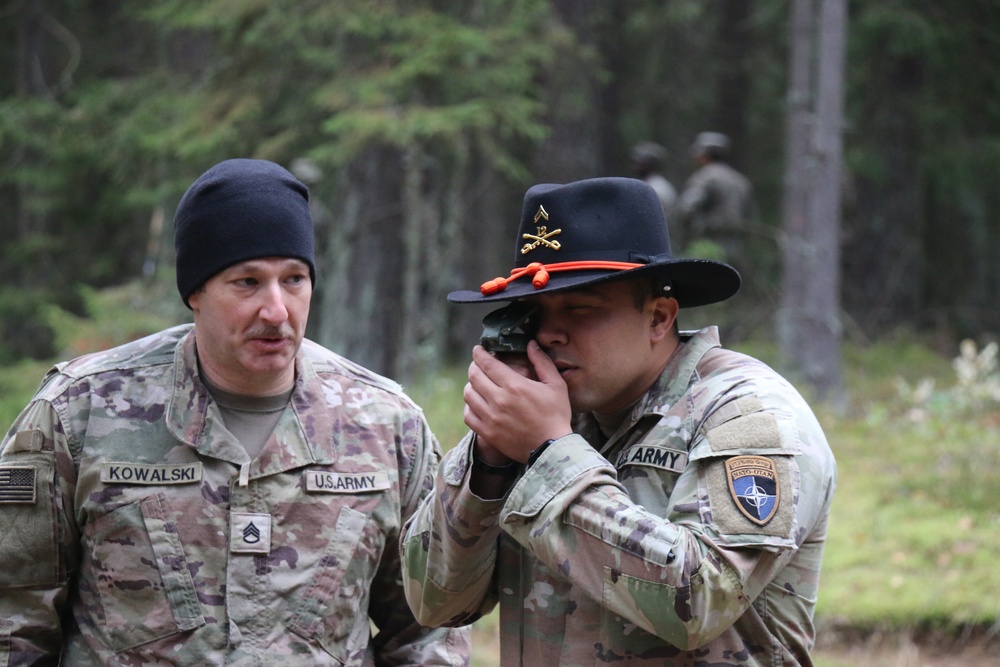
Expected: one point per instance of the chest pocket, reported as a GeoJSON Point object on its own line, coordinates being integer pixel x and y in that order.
{"type": "Point", "coordinates": [351, 516]}
{"type": "Point", "coordinates": [332, 608]}
{"type": "Point", "coordinates": [136, 571]}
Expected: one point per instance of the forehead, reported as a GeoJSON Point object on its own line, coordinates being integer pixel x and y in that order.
{"type": "Point", "coordinates": [262, 264]}
{"type": "Point", "coordinates": [608, 291]}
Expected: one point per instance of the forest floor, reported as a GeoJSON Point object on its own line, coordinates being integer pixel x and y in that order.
{"type": "Point", "coordinates": [847, 648]}
{"type": "Point", "coordinates": [905, 656]}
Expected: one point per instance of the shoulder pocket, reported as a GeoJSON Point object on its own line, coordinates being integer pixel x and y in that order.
{"type": "Point", "coordinates": [29, 531]}
{"type": "Point", "coordinates": [749, 473]}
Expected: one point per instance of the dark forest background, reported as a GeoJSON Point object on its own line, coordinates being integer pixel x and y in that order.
{"type": "Point", "coordinates": [419, 124]}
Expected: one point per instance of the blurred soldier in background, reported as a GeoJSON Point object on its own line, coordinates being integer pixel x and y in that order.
{"type": "Point", "coordinates": [647, 159]}
{"type": "Point", "coordinates": [222, 493]}
{"type": "Point", "coordinates": [717, 201]}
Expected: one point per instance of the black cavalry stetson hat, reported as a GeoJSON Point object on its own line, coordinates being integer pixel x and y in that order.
{"type": "Point", "coordinates": [594, 231]}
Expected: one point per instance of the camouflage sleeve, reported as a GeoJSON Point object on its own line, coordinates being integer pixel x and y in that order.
{"type": "Point", "coordinates": [450, 548]}
{"type": "Point", "coordinates": [677, 579]}
{"type": "Point", "coordinates": [37, 536]}
{"type": "Point", "coordinates": [401, 640]}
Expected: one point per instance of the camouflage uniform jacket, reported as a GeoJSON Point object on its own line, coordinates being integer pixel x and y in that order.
{"type": "Point", "coordinates": [135, 531]}
{"type": "Point", "coordinates": [691, 537]}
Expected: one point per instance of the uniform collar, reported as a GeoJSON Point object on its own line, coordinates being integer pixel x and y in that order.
{"type": "Point", "coordinates": [194, 418]}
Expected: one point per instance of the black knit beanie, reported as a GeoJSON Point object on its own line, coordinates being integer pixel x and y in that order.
{"type": "Point", "coordinates": [238, 210]}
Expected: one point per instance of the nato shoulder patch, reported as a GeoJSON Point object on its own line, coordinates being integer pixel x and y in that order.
{"type": "Point", "coordinates": [753, 485]}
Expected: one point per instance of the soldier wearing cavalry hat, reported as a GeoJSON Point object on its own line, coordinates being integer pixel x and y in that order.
{"type": "Point", "coordinates": [628, 490]}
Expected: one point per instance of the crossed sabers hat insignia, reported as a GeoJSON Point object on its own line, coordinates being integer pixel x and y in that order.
{"type": "Point", "coordinates": [543, 236]}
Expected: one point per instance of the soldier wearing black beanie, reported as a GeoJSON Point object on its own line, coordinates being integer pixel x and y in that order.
{"type": "Point", "coordinates": [238, 489]}
{"type": "Point", "coordinates": [240, 209]}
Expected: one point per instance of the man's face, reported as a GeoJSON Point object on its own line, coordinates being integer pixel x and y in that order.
{"type": "Point", "coordinates": [250, 320]}
{"type": "Point", "coordinates": [607, 349]}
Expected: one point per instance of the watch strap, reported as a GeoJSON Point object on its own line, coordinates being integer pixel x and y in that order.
{"type": "Point", "coordinates": [537, 451]}
{"type": "Point", "coordinates": [506, 470]}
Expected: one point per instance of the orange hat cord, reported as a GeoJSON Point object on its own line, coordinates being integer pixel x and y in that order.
{"type": "Point", "coordinates": [540, 273]}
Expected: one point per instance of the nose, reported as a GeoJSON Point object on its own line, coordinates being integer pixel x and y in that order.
{"type": "Point", "coordinates": [273, 309]}
{"type": "Point", "coordinates": [550, 332]}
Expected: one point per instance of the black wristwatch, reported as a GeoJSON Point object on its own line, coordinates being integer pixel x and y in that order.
{"type": "Point", "coordinates": [537, 451]}
{"type": "Point", "coordinates": [506, 470]}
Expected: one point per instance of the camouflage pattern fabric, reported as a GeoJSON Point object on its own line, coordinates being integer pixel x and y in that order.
{"type": "Point", "coordinates": [649, 546]}
{"type": "Point", "coordinates": [135, 531]}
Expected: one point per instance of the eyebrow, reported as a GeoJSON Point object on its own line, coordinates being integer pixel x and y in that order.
{"type": "Point", "coordinates": [593, 290]}
{"type": "Point", "coordinates": [584, 292]}
{"type": "Point", "coordinates": [260, 261]}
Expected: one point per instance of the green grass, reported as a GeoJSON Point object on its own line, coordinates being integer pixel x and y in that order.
{"type": "Point", "coordinates": [441, 398]}
{"type": "Point", "coordinates": [915, 526]}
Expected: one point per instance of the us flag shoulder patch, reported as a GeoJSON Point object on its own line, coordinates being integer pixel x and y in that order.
{"type": "Point", "coordinates": [17, 484]}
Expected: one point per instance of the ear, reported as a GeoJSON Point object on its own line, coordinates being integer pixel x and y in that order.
{"type": "Point", "coordinates": [194, 301]}
{"type": "Point", "coordinates": [664, 314]}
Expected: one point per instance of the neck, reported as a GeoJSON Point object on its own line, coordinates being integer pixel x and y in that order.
{"type": "Point", "coordinates": [248, 385]}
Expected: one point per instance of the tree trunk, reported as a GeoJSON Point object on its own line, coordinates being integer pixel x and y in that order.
{"type": "Point", "coordinates": [362, 259]}
{"type": "Point", "coordinates": [734, 82]}
{"type": "Point", "coordinates": [809, 328]}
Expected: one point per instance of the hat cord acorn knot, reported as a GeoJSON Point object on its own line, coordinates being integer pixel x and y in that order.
{"type": "Point", "coordinates": [540, 273]}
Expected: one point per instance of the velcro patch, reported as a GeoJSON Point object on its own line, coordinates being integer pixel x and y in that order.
{"type": "Point", "coordinates": [674, 460]}
{"type": "Point", "coordinates": [758, 430]}
{"type": "Point", "coordinates": [26, 441]}
{"type": "Point", "coordinates": [17, 485]}
{"type": "Point", "coordinates": [251, 533]}
{"type": "Point", "coordinates": [753, 484]}
{"type": "Point", "coordinates": [150, 474]}
{"type": "Point", "coordinates": [324, 481]}
{"type": "Point", "coordinates": [738, 408]}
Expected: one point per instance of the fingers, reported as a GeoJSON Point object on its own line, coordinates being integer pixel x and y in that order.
{"type": "Point", "coordinates": [490, 366]}
{"type": "Point", "coordinates": [475, 406]}
{"type": "Point", "coordinates": [519, 363]}
{"type": "Point", "coordinates": [545, 369]}
{"type": "Point", "coordinates": [513, 412]}
{"type": "Point", "coordinates": [481, 392]}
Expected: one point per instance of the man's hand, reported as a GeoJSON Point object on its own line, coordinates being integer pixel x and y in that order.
{"type": "Point", "coordinates": [511, 412]}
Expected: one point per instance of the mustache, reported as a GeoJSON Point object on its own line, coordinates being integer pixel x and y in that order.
{"type": "Point", "coordinates": [283, 331]}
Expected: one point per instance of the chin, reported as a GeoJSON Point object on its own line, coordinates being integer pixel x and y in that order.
{"type": "Point", "coordinates": [272, 366]}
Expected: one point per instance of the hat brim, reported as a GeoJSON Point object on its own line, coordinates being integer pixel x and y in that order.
{"type": "Point", "coordinates": [694, 282]}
